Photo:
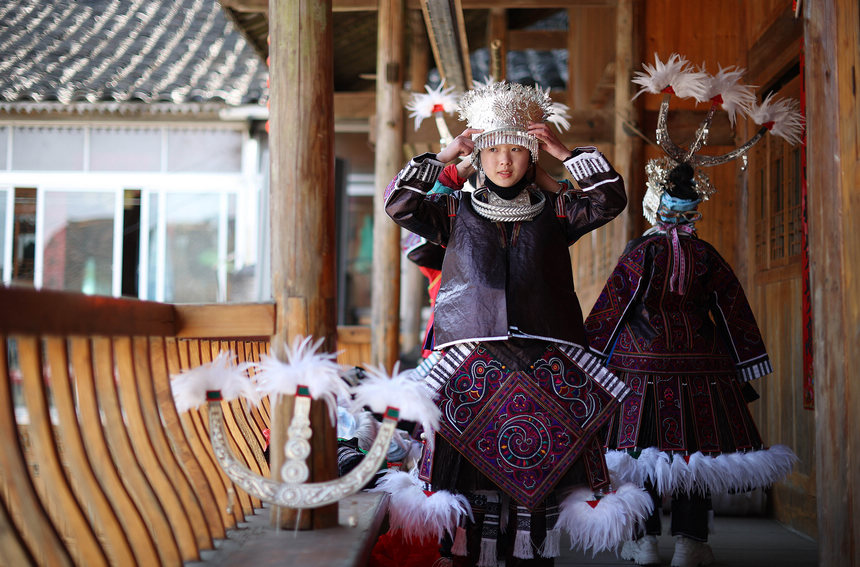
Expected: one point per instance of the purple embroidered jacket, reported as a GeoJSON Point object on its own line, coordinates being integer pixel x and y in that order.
{"type": "Point", "coordinates": [639, 325]}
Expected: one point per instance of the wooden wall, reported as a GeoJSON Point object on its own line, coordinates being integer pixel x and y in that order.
{"type": "Point", "coordinates": [832, 51]}
{"type": "Point", "coordinates": [762, 35]}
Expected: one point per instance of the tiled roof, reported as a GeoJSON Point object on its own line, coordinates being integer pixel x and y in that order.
{"type": "Point", "coordinates": [125, 51]}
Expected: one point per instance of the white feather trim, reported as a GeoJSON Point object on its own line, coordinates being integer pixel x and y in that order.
{"type": "Point", "coordinates": [424, 105]}
{"type": "Point", "coordinates": [378, 391]}
{"type": "Point", "coordinates": [703, 473]}
{"type": "Point", "coordinates": [190, 387]}
{"type": "Point", "coordinates": [304, 366]}
{"type": "Point", "coordinates": [736, 97]}
{"type": "Point", "coordinates": [416, 515]}
{"type": "Point", "coordinates": [607, 524]}
{"type": "Point", "coordinates": [788, 122]}
{"type": "Point", "coordinates": [677, 73]}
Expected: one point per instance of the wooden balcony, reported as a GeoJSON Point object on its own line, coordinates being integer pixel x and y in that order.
{"type": "Point", "coordinates": [97, 467]}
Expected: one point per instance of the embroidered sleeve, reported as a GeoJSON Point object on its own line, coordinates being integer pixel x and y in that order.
{"type": "Point", "coordinates": [604, 323]}
{"type": "Point", "coordinates": [734, 317]}
{"type": "Point", "coordinates": [602, 196]}
{"type": "Point", "coordinates": [411, 202]}
{"type": "Point", "coordinates": [420, 174]}
{"type": "Point", "coordinates": [590, 168]}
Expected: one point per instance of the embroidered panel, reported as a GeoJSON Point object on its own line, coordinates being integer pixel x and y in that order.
{"type": "Point", "coordinates": [595, 465]}
{"type": "Point", "coordinates": [670, 417]}
{"type": "Point", "coordinates": [630, 416]}
{"type": "Point", "coordinates": [735, 409]}
{"type": "Point", "coordinates": [522, 439]}
{"type": "Point", "coordinates": [702, 405]}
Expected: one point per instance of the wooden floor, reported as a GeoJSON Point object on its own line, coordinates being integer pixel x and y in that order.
{"type": "Point", "coordinates": [736, 541]}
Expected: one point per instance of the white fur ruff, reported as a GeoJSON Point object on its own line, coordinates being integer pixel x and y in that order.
{"type": "Point", "coordinates": [416, 515]}
{"type": "Point", "coordinates": [607, 525]}
{"type": "Point", "coordinates": [788, 122]}
{"type": "Point", "coordinates": [422, 105]}
{"type": "Point", "coordinates": [728, 472]}
{"type": "Point", "coordinates": [378, 391]}
{"type": "Point", "coordinates": [304, 366]}
{"type": "Point", "coordinates": [190, 387]}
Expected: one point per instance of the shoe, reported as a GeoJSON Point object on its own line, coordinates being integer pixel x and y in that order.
{"type": "Point", "coordinates": [691, 553]}
{"type": "Point", "coordinates": [642, 551]}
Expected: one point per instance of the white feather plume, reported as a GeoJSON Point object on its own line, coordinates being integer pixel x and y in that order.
{"type": "Point", "coordinates": [677, 73]}
{"type": "Point", "coordinates": [736, 97]}
{"type": "Point", "coordinates": [417, 515]}
{"type": "Point", "coordinates": [608, 523]}
{"type": "Point", "coordinates": [190, 387]}
{"type": "Point", "coordinates": [423, 105]}
{"type": "Point", "coordinates": [559, 115]}
{"type": "Point", "coordinates": [304, 366]}
{"type": "Point", "coordinates": [784, 114]}
{"type": "Point", "coordinates": [378, 391]}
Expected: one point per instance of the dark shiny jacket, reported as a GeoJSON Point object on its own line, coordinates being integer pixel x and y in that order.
{"type": "Point", "coordinates": [502, 280]}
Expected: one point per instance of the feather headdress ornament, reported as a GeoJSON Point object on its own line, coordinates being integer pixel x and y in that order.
{"type": "Point", "coordinates": [304, 366]}
{"type": "Point", "coordinates": [425, 105]}
{"type": "Point", "coordinates": [723, 90]}
{"type": "Point", "coordinates": [379, 391]}
{"type": "Point", "coordinates": [222, 374]}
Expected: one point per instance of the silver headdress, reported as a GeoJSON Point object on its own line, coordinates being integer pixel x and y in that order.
{"type": "Point", "coordinates": [723, 90]}
{"type": "Point", "coordinates": [503, 111]}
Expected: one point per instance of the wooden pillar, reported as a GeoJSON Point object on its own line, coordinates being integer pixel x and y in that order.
{"type": "Point", "coordinates": [628, 148]}
{"type": "Point", "coordinates": [497, 33]}
{"type": "Point", "coordinates": [385, 297]}
{"type": "Point", "coordinates": [302, 210]}
{"type": "Point", "coordinates": [833, 175]}
{"type": "Point", "coordinates": [414, 282]}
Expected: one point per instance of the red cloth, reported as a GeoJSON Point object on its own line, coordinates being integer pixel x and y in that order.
{"type": "Point", "coordinates": [391, 550]}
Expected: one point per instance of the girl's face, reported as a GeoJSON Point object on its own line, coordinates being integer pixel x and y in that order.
{"type": "Point", "coordinates": [505, 164]}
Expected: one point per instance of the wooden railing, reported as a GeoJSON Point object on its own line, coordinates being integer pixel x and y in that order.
{"type": "Point", "coordinates": [96, 466]}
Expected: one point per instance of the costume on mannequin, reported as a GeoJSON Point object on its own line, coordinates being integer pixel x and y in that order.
{"type": "Point", "coordinates": [674, 323]}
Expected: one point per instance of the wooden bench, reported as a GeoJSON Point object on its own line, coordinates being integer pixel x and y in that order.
{"type": "Point", "coordinates": [97, 467]}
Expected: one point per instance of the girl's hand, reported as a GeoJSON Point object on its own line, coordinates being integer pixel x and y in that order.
{"type": "Point", "coordinates": [462, 145]}
{"type": "Point", "coordinates": [548, 140]}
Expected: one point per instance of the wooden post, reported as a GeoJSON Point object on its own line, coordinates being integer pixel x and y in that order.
{"type": "Point", "coordinates": [628, 148]}
{"type": "Point", "coordinates": [302, 215]}
{"type": "Point", "coordinates": [385, 297]}
{"type": "Point", "coordinates": [414, 282]}
{"type": "Point", "coordinates": [497, 32]}
{"type": "Point", "coordinates": [833, 175]}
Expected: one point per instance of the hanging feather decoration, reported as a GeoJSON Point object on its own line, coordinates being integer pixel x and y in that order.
{"type": "Point", "coordinates": [782, 117]}
{"type": "Point", "coordinates": [304, 366]}
{"type": "Point", "coordinates": [222, 374]}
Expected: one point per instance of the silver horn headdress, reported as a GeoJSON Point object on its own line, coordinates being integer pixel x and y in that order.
{"type": "Point", "coordinates": [723, 90]}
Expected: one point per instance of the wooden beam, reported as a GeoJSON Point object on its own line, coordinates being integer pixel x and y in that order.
{"type": "Point", "coordinates": [30, 311]}
{"type": "Point", "coordinates": [541, 40]}
{"type": "Point", "coordinates": [371, 6]}
{"type": "Point", "coordinates": [246, 6]}
{"type": "Point", "coordinates": [447, 38]}
{"type": "Point", "coordinates": [302, 182]}
{"type": "Point", "coordinates": [385, 277]}
{"type": "Point", "coordinates": [256, 6]}
{"type": "Point", "coordinates": [776, 49]}
{"type": "Point", "coordinates": [225, 320]}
